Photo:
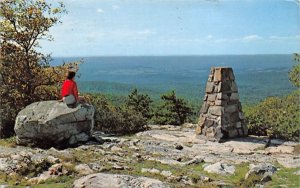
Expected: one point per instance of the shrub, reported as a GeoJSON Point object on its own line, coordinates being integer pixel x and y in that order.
{"type": "Point", "coordinates": [276, 117]}
{"type": "Point", "coordinates": [172, 110]}
{"type": "Point", "coordinates": [139, 103]}
{"type": "Point", "coordinates": [116, 120]}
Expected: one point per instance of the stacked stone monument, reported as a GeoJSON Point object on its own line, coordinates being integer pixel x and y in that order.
{"type": "Point", "coordinates": [221, 114]}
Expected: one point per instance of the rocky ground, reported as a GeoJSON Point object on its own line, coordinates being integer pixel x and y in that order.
{"type": "Point", "coordinates": [164, 156]}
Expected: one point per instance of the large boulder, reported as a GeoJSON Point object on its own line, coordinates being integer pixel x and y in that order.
{"type": "Point", "coordinates": [117, 181]}
{"type": "Point", "coordinates": [53, 123]}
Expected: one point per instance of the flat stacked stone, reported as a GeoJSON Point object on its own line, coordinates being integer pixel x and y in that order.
{"type": "Point", "coordinates": [221, 114]}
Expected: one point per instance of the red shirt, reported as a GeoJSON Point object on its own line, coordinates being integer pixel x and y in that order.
{"type": "Point", "coordinates": [69, 87]}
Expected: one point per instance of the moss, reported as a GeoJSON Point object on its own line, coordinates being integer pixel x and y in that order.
{"type": "Point", "coordinates": [8, 142]}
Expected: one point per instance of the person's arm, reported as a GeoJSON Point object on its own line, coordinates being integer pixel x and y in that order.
{"type": "Point", "coordinates": [64, 89]}
{"type": "Point", "coordinates": [75, 91]}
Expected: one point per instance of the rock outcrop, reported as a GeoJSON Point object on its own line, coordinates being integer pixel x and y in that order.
{"type": "Point", "coordinates": [220, 168]}
{"type": "Point", "coordinates": [53, 123]}
{"type": "Point", "coordinates": [221, 114]}
{"type": "Point", "coordinates": [264, 171]}
{"type": "Point", "coordinates": [117, 181]}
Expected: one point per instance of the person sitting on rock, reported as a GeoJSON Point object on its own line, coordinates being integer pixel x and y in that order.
{"type": "Point", "coordinates": [69, 91]}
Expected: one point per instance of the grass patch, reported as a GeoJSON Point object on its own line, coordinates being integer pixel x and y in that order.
{"type": "Point", "coordinates": [59, 182]}
{"type": "Point", "coordinates": [11, 180]}
{"type": "Point", "coordinates": [8, 142]}
{"type": "Point", "coordinates": [85, 156]}
{"type": "Point", "coordinates": [285, 177]}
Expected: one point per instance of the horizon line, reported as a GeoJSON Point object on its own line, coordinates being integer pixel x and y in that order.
{"type": "Point", "coordinates": [168, 55]}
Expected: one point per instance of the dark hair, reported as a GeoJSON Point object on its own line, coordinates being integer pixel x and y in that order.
{"type": "Point", "coordinates": [71, 75]}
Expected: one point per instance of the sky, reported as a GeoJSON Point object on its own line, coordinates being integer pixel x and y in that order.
{"type": "Point", "coordinates": [175, 27]}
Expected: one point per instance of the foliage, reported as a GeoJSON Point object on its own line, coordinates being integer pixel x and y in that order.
{"type": "Point", "coordinates": [8, 142]}
{"type": "Point", "coordinates": [25, 73]}
{"type": "Point", "coordinates": [277, 117]}
{"type": "Point", "coordinates": [294, 73]}
{"type": "Point", "coordinates": [173, 110]}
{"type": "Point", "coordinates": [139, 103]}
{"type": "Point", "coordinates": [117, 120]}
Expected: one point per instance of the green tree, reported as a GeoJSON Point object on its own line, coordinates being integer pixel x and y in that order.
{"type": "Point", "coordinates": [173, 110]}
{"type": "Point", "coordinates": [294, 73]}
{"type": "Point", "coordinates": [139, 103]}
{"type": "Point", "coordinates": [113, 119]}
{"type": "Point", "coordinates": [25, 73]}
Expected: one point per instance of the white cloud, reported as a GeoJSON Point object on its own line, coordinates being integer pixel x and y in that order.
{"type": "Point", "coordinates": [115, 7]}
{"type": "Point", "coordinates": [284, 38]}
{"type": "Point", "coordinates": [119, 34]}
{"type": "Point", "coordinates": [100, 10]}
{"type": "Point", "coordinates": [251, 38]}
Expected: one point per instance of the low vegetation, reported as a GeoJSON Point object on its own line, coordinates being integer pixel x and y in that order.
{"type": "Point", "coordinates": [276, 117]}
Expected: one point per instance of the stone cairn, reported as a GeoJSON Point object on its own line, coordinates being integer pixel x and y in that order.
{"type": "Point", "coordinates": [221, 114]}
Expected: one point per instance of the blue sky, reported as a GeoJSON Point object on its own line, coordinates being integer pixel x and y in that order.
{"type": "Point", "coordinates": [176, 27]}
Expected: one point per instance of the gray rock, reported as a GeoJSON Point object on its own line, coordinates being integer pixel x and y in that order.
{"type": "Point", "coordinates": [178, 146]}
{"type": "Point", "coordinates": [117, 181]}
{"type": "Point", "coordinates": [265, 170]}
{"type": "Point", "coordinates": [150, 170]}
{"type": "Point", "coordinates": [297, 173]}
{"type": "Point", "coordinates": [83, 169]}
{"type": "Point", "coordinates": [166, 161]}
{"type": "Point", "coordinates": [195, 160]}
{"type": "Point", "coordinates": [53, 123]}
{"type": "Point", "coordinates": [220, 168]}
{"type": "Point", "coordinates": [166, 173]}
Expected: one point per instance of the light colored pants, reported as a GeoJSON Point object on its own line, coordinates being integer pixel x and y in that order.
{"type": "Point", "coordinates": [70, 99]}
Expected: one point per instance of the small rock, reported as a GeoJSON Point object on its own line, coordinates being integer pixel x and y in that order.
{"type": "Point", "coordinates": [195, 160]}
{"type": "Point", "coordinates": [166, 161]}
{"type": "Point", "coordinates": [134, 148]}
{"type": "Point", "coordinates": [53, 160]}
{"type": "Point", "coordinates": [220, 168]}
{"type": "Point", "coordinates": [83, 169]}
{"type": "Point", "coordinates": [137, 155]}
{"type": "Point", "coordinates": [53, 172]}
{"type": "Point", "coordinates": [205, 178]}
{"type": "Point", "coordinates": [166, 173]}
{"type": "Point", "coordinates": [178, 147]}
{"type": "Point", "coordinates": [115, 149]}
{"type": "Point", "coordinates": [118, 167]}
{"type": "Point", "coordinates": [150, 170]}
{"type": "Point", "coordinates": [297, 173]}
{"type": "Point", "coordinates": [57, 169]}
{"type": "Point", "coordinates": [95, 166]}
{"type": "Point", "coordinates": [222, 184]}
{"type": "Point", "coordinates": [265, 170]}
